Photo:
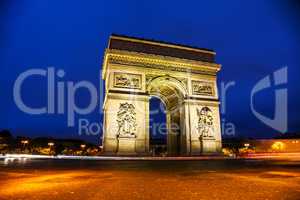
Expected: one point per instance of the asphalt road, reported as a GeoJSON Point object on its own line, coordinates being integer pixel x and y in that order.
{"type": "Point", "coordinates": [215, 179]}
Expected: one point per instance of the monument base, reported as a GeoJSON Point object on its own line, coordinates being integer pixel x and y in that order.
{"type": "Point", "coordinates": [126, 146]}
{"type": "Point", "coordinates": [204, 146]}
{"type": "Point", "coordinates": [208, 145]}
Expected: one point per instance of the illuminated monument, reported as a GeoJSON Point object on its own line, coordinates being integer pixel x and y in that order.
{"type": "Point", "coordinates": [184, 78]}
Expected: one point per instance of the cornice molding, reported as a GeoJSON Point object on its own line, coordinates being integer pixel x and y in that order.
{"type": "Point", "coordinates": [176, 46]}
{"type": "Point", "coordinates": [136, 59]}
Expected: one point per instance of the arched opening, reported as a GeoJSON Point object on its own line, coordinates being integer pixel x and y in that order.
{"type": "Point", "coordinates": [158, 129]}
{"type": "Point", "coordinates": [170, 91]}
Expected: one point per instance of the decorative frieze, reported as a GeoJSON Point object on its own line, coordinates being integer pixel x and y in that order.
{"type": "Point", "coordinates": [126, 80]}
{"type": "Point", "coordinates": [203, 88]}
{"type": "Point", "coordinates": [158, 64]}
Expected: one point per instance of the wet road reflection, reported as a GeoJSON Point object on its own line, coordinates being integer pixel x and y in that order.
{"type": "Point", "coordinates": [218, 179]}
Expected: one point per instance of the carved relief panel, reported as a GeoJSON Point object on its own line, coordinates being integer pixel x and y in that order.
{"type": "Point", "coordinates": [203, 88]}
{"type": "Point", "coordinates": [126, 80]}
{"type": "Point", "coordinates": [126, 119]}
{"type": "Point", "coordinates": [205, 124]}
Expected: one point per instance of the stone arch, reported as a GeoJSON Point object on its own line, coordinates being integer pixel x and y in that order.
{"type": "Point", "coordinates": [168, 80]}
{"type": "Point", "coordinates": [169, 89]}
{"type": "Point", "coordinates": [183, 77]}
{"type": "Point", "coordinates": [172, 93]}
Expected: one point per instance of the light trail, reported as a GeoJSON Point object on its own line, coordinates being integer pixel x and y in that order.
{"type": "Point", "coordinates": [272, 156]}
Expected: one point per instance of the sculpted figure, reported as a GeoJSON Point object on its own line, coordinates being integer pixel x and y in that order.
{"type": "Point", "coordinates": [205, 122]}
{"type": "Point", "coordinates": [126, 119]}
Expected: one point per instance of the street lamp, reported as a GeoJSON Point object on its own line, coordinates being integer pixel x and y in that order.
{"type": "Point", "coordinates": [50, 144]}
{"type": "Point", "coordinates": [246, 145]}
{"type": "Point", "coordinates": [82, 146]}
{"type": "Point", "coordinates": [24, 142]}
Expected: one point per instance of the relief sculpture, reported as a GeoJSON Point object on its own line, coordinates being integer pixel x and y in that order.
{"type": "Point", "coordinates": [202, 88]}
{"type": "Point", "coordinates": [205, 122]}
{"type": "Point", "coordinates": [126, 119]}
{"type": "Point", "coordinates": [127, 80]}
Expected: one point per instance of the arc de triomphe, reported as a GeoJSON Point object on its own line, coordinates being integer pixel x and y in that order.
{"type": "Point", "coordinates": [183, 77]}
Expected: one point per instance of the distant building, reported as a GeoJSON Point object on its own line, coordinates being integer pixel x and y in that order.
{"type": "Point", "coordinates": [236, 145]}
{"type": "Point", "coordinates": [275, 145]}
{"type": "Point", "coordinates": [5, 141]}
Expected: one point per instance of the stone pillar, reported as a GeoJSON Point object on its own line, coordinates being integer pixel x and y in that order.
{"type": "Point", "coordinates": [126, 133]}
{"type": "Point", "coordinates": [185, 126]}
{"type": "Point", "coordinates": [205, 131]}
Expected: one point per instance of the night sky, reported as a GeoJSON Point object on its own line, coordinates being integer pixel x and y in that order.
{"type": "Point", "coordinates": [252, 40]}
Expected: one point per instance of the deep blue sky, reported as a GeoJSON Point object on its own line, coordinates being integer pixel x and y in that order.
{"type": "Point", "coordinates": [252, 39]}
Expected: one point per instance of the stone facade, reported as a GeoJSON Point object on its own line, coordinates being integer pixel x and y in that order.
{"type": "Point", "coordinates": [187, 87]}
